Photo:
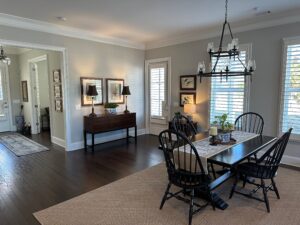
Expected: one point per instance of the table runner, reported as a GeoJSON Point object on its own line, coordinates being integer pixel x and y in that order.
{"type": "Point", "coordinates": [205, 150]}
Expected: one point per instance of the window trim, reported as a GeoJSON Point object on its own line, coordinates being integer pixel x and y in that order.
{"type": "Point", "coordinates": [285, 43]}
{"type": "Point", "coordinates": [244, 47]}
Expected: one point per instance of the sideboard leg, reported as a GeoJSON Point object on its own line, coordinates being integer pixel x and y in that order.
{"type": "Point", "coordinates": [84, 137]}
{"type": "Point", "coordinates": [135, 134]}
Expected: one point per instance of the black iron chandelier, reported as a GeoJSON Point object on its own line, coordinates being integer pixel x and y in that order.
{"type": "Point", "coordinates": [3, 57]}
{"type": "Point", "coordinates": [232, 53]}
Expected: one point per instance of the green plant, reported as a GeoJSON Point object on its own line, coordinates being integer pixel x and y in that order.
{"type": "Point", "coordinates": [110, 105]}
{"type": "Point", "coordinates": [222, 122]}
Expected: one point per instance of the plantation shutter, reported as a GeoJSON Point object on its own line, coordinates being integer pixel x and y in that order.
{"type": "Point", "coordinates": [158, 89]}
{"type": "Point", "coordinates": [290, 96]}
{"type": "Point", "coordinates": [229, 96]}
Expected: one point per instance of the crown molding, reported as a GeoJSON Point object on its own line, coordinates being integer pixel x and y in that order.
{"type": "Point", "coordinates": [36, 25]}
{"type": "Point", "coordinates": [214, 32]}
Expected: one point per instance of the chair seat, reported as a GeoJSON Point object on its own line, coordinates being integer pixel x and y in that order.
{"type": "Point", "coordinates": [185, 180]}
{"type": "Point", "coordinates": [253, 170]}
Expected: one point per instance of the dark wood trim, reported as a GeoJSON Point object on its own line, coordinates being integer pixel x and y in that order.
{"type": "Point", "coordinates": [81, 89]}
{"type": "Point", "coordinates": [188, 89]}
{"type": "Point", "coordinates": [113, 79]}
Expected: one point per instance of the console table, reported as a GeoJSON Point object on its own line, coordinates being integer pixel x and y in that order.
{"type": "Point", "coordinates": [108, 122]}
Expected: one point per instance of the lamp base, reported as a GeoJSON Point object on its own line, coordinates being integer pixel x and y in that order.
{"type": "Point", "coordinates": [93, 115]}
{"type": "Point", "coordinates": [126, 111]}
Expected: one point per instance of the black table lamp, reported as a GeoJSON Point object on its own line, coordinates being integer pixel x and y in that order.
{"type": "Point", "coordinates": [126, 92]}
{"type": "Point", "coordinates": [92, 91]}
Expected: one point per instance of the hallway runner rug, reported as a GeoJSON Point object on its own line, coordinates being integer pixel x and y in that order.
{"type": "Point", "coordinates": [20, 145]}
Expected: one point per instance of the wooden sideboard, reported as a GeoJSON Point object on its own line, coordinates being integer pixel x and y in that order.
{"type": "Point", "coordinates": [108, 122]}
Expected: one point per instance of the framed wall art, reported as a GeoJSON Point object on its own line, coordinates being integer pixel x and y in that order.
{"type": "Point", "coordinates": [85, 82]}
{"type": "Point", "coordinates": [24, 90]}
{"type": "Point", "coordinates": [57, 90]}
{"type": "Point", "coordinates": [188, 82]}
{"type": "Point", "coordinates": [56, 76]}
{"type": "Point", "coordinates": [114, 91]}
{"type": "Point", "coordinates": [58, 105]}
{"type": "Point", "coordinates": [187, 98]}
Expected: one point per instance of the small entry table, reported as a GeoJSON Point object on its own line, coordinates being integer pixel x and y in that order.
{"type": "Point", "coordinates": [108, 122]}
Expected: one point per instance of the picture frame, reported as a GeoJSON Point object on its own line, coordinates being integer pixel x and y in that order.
{"type": "Point", "coordinates": [57, 91]}
{"type": "Point", "coordinates": [187, 98]}
{"type": "Point", "coordinates": [84, 83]}
{"type": "Point", "coordinates": [24, 90]}
{"type": "Point", "coordinates": [188, 82]}
{"type": "Point", "coordinates": [114, 89]}
{"type": "Point", "coordinates": [56, 76]}
{"type": "Point", "coordinates": [58, 105]}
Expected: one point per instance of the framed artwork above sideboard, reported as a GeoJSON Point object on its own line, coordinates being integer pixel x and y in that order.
{"type": "Point", "coordinates": [85, 82]}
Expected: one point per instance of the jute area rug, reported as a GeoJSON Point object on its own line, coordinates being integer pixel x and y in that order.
{"type": "Point", "coordinates": [20, 145]}
{"type": "Point", "coordinates": [135, 200]}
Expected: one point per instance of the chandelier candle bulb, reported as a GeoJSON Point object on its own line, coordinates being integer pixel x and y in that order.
{"type": "Point", "coordinates": [213, 131]}
{"type": "Point", "coordinates": [210, 47]}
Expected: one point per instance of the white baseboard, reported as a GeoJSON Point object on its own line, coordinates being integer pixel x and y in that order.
{"type": "Point", "coordinates": [58, 141]}
{"type": "Point", "coordinates": [110, 137]}
{"type": "Point", "coordinates": [291, 160]}
{"type": "Point", "coordinates": [286, 159]}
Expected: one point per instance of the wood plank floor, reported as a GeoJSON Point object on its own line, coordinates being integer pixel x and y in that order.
{"type": "Point", "coordinates": [34, 182]}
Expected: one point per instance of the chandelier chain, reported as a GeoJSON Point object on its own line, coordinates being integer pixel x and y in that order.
{"type": "Point", "coordinates": [226, 7]}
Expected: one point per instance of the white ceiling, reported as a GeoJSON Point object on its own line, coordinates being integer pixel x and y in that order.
{"type": "Point", "coordinates": [147, 21]}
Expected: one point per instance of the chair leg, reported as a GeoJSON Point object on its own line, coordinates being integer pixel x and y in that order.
{"type": "Point", "coordinates": [191, 207]}
{"type": "Point", "coordinates": [211, 200]}
{"type": "Point", "coordinates": [165, 196]}
{"type": "Point", "coordinates": [245, 181]}
{"type": "Point", "coordinates": [275, 188]}
{"type": "Point", "coordinates": [265, 195]}
{"type": "Point", "coordinates": [213, 171]}
{"type": "Point", "coordinates": [237, 177]}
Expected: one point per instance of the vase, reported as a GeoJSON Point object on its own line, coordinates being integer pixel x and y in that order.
{"type": "Point", "coordinates": [224, 137]}
{"type": "Point", "coordinates": [111, 110]}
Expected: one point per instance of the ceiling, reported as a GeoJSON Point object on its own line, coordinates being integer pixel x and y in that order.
{"type": "Point", "coordinates": [147, 21]}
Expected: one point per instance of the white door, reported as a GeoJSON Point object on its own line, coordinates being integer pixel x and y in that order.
{"type": "Point", "coordinates": [5, 120]}
{"type": "Point", "coordinates": [158, 96]}
{"type": "Point", "coordinates": [35, 127]}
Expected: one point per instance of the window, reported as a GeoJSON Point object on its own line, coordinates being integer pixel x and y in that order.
{"type": "Point", "coordinates": [290, 96]}
{"type": "Point", "coordinates": [231, 96]}
{"type": "Point", "coordinates": [158, 82]}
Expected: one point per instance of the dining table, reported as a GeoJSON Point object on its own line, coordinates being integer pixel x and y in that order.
{"type": "Point", "coordinates": [228, 158]}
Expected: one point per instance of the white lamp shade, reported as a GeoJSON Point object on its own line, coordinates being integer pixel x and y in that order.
{"type": "Point", "coordinates": [189, 108]}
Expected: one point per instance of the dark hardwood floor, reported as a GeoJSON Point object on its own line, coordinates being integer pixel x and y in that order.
{"type": "Point", "coordinates": [34, 182]}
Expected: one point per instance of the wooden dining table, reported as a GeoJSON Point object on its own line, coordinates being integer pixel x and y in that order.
{"type": "Point", "coordinates": [230, 158]}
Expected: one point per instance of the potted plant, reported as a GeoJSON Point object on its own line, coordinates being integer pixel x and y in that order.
{"type": "Point", "coordinates": [111, 107]}
{"type": "Point", "coordinates": [224, 128]}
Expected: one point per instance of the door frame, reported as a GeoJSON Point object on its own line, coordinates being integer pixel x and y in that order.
{"type": "Point", "coordinates": [65, 81]}
{"type": "Point", "coordinates": [32, 108]}
{"type": "Point", "coordinates": [10, 120]}
{"type": "Point", "coordinates": [147, 90]}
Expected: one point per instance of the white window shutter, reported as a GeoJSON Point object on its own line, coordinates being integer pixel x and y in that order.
{"type": "Point", "coordinates": [229, 96]}
{"type": "Point", "coordinates": [290, 96]}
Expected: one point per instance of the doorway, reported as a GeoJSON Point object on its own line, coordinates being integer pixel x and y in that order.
{"type": "Point", "coordinates": [158, 94]}
{"type": "Point", "coordinates": [40, 92]}
{"type": "Point", "coordinates": [5, 103]}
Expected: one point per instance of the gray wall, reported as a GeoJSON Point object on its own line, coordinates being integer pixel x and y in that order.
{"type": "Point", "coordinates": [265, 87]}
{"type": "Point", "coordinates": [86, 58]}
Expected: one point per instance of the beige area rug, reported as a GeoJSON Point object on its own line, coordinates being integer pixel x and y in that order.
{"type": "Point", "coordinates": [135, 200]}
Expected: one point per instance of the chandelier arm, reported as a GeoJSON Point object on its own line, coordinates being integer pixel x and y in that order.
{"type": "Point", "coordinates": [230, 30]}
{"type": "Point", "coordinates": [215, 66]}
{"type": "Point", "coordinates": [242, 63]}
{"type": "Point", "coordinates": [222, 36]}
